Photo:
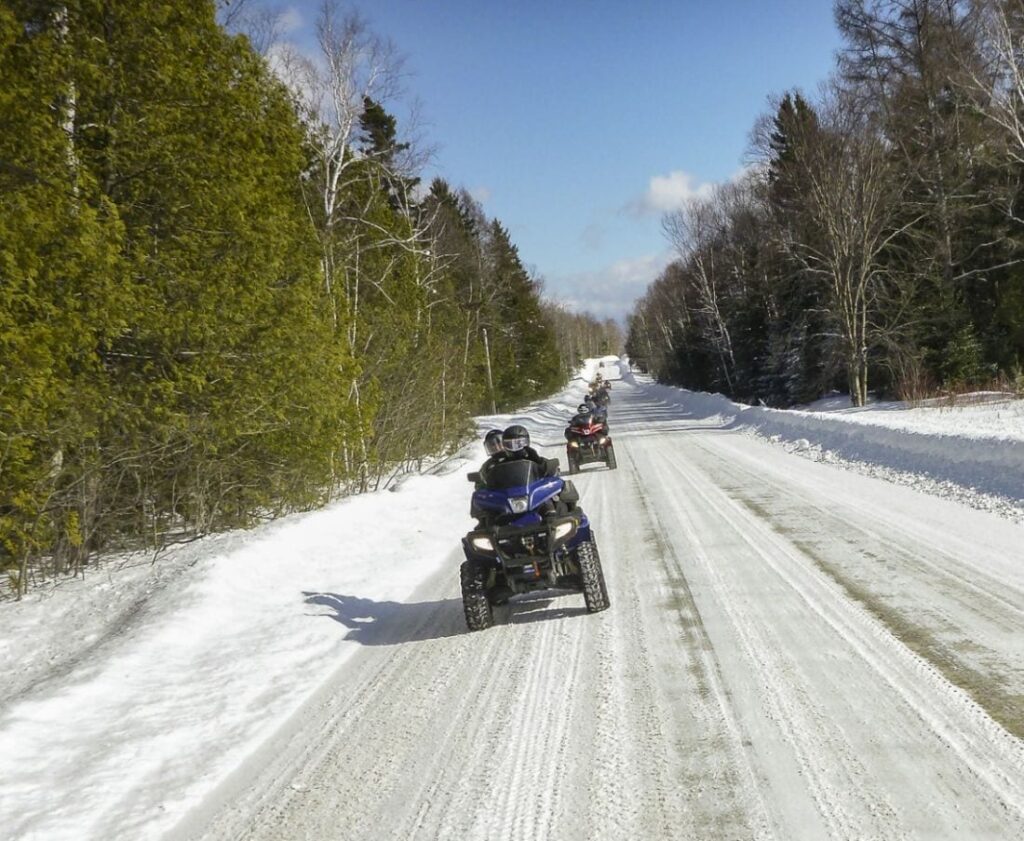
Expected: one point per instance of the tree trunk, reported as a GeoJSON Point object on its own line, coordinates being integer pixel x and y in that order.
{"type": "Point", "coordinates": [490, 380]}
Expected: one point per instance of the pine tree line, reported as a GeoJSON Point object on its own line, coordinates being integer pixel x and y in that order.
{"type": "Point", "coordinates": [877, 240]}
{"type": "Point", "coordinates": [221, 299]}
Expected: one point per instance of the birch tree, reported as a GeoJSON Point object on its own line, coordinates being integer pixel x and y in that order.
{"type": "Point", "coordinates": [694, 231]}
{"type": "Point", "coordinates": [850, 211]}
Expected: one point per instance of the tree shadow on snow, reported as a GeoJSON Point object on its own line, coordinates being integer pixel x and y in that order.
{"type": "Point", "coordinates": [391, 623]}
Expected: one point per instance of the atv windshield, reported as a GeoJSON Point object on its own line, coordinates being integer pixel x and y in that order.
{"type": "Point", "coordinates": [517, 473]}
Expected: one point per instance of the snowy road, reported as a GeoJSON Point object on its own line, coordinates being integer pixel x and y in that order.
{"type": "Point", "coordinates": [792, 652]}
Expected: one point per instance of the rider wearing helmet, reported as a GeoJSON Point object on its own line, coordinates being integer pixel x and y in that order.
{"type": "Point", "coordinates": [492, 442]}
{"type": "Point", "coordinates": [583, 413]}
{"type": "Point", "coordinates": [586, 413]}
{"type": "Point", "coordinates": [495, 452]}
{"type": "Point", "coordinates": [581, 418]}
{"type": "Point", "coordinates": [515, 442]}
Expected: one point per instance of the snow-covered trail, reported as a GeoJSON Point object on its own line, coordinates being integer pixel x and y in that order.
{"type": "Point", "coordinates": [793, 652]}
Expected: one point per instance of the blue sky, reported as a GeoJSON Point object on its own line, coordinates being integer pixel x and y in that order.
{"type": "Point", "coordinates": [578, 123]}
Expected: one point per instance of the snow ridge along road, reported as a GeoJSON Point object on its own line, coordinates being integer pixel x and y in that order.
{"type": "Point", "coordinates": [792, 652]}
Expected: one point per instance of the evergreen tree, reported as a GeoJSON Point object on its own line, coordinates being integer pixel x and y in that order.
{"type": "Point", "coordinates": [159, 297]}
{"type": "Point", "coordinates": [61, 303]}
{"type": "Point", "coordinates": [187, 341]}
{"type": "Point", "coordinates": [379, 143]}
{"type": "Point", "coordinates": [524, 357]}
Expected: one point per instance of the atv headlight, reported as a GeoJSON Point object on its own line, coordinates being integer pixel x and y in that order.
{"type": "Point", "coordinates": [519, 504]}
{"type": "Point", "coordinates": [564, 529]}
{"type": "Point", "coordinates": [574, 443]}
{"type": "Point", "coordinates": [483, 543]}
{"type": "Point", "coordinates": [604, 440]}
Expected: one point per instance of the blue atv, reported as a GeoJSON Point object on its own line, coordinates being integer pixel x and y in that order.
{"type": "Point", "coordinates": [532, 536]}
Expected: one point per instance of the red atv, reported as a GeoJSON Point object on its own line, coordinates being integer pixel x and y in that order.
{"type": "Point", "coordinates": [588, 442]}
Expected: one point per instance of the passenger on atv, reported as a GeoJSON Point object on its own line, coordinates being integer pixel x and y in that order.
{"type": "Point", "coordinates": [493, 448]}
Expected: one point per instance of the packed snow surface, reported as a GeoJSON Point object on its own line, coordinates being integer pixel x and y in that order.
{"type": "Point", "coordinates": [794, 651]}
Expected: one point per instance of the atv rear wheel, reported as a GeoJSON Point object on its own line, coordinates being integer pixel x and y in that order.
{"type": "Point", "coordinates": [475, 604]}
{"type": "Point", "coordinates": [595, 592]}
{"type": "Point", "coordinates": [610, 457]}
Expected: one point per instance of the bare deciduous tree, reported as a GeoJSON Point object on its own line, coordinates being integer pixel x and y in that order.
{"type": "Point", "coordinates": [1003, 83]}
{"type": "Point", "coordinates": [694, 231]}
{"type": "Point", "coordinates": [851, 201]}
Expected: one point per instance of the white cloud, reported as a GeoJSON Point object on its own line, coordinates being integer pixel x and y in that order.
{"type": "Point", "coordinates": [609, 292]}
{"type": "Point", "coordinates": [669, 192]}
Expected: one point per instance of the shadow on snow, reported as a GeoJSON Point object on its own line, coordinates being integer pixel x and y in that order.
{"type": "Point", "coordinates": [371, 622]}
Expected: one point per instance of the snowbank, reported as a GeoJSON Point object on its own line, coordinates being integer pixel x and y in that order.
{"type": "Point", "coordinates": [127, 736]}
{"type": "Point", "coordinates": [978, 446]}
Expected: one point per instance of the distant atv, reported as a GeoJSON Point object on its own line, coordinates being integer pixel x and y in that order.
{"type": "Point", "coordinates": [587, 443]}
{"type": "Point", "coordinates": [533, 536]}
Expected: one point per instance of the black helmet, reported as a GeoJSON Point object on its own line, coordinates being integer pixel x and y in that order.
{"type": "Point", "coordinates": [515, 439]}
{"type": "Point", "coordinates": [588, 399]}
{"type": "Point", "coordinates": [492, 442]}
{"type": "Point", "coordinates": [583, 409]}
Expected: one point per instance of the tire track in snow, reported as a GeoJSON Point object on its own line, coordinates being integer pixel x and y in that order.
{"type": "Point", "coordinates": [827, 762]}
{"type": "Point", "coordinates": [850, 552]}
{"type": "Point", "coordinates": [374, 731]}
{"type": "Point", "coordinates": [460, 751]}
{"type": "Point", "coordinates": [537, 731]}
{"type": "Point", "coordinates": [668, 722]}
{"type": "Point", "coordinates": [460, 755]}
{"type": "Point", "coordinates": [989, 757]}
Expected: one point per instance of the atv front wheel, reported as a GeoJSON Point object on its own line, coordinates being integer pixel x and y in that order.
{"type": "Point", "coordinates": [610, 458]}
{"type": "Point", "coordinates": [595, 592]}
{"type": "Point", "coordinates": [475, 604]}
{"type": "Point", "coordinates": [574, 464]}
